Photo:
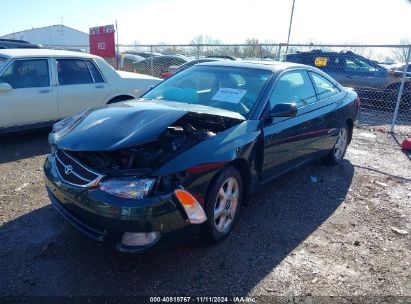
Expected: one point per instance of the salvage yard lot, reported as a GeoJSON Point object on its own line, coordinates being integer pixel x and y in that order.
{"type": "Point", "coordinates": [343, 235]}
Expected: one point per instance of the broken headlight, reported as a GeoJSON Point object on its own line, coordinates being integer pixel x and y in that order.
{"type": "Point", "coordinates": [127, 187]}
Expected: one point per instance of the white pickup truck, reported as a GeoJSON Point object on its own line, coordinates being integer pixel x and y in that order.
{"type": "Point", "coordinates": [41, 86]}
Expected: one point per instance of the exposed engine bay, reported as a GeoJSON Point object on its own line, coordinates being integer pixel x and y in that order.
{"type": "Point", "coordinates": [142, 159]}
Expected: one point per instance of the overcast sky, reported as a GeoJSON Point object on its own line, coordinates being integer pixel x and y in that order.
{"type": "Point", "coordinates": [232, 21]}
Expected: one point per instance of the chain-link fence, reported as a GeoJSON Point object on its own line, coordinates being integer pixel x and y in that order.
{"type": "Point", "coordinates": [371, 71]}
{"type": "Point", "coordinates": [381, 74]}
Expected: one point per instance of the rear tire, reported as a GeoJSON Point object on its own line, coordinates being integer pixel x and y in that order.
{"type": "Point", "coordinates": [223, 204]}
{"type": "Point", "coordinates": [337, 153]}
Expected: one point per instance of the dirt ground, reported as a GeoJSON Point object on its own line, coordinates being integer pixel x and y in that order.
{"type": "Point", "coordinates": [347, 234]}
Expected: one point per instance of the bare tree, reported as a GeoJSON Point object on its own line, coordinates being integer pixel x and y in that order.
{"type": "Point", "coordinates": [204, 39]}
{"type": "Point", "coordinates": [269, 49]}
{"type": "Point", "coordinates": [253, 48]}
{"type": "Point", "coordinates": [364, 51]}
{"type": "Point", "coordinates": [206, 44]}
{"type": "Point", "coordinates": [400, 54]}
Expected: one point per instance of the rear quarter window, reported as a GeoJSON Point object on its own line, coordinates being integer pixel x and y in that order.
{"type": "Point", "coordinates": [323, 86]}
{"type": "Point", "coordinates": [95, 72]}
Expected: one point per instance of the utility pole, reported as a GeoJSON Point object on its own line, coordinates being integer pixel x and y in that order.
{"type": "Point", "coordinates": [289, 29]}
{"type": "Point", "coordinates": [62, 32]}
{"type": "Point", "coordinates": [404, 75]}
{"type": "Point", "coordinates": [118, 50]}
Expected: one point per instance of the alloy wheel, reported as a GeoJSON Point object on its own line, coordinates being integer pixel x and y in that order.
{"type": "Point", "coordinates": [226, 205]}
{"type": "Point", "coordinates": [341, 144]}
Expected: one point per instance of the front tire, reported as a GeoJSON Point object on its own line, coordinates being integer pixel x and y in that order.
{"type": "Point", "coordinates": [223, 204]}
{"type": "Point", "coordinates": [337, 153]}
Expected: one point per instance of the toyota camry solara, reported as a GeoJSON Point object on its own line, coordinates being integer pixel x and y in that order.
{"type": "Point", "coordinates": [182, 159]}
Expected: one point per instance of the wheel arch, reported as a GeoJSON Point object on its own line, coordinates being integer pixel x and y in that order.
{"type": "Point", "coordinates": [243, 167]}
{"type": "Point", "coordinates": [350, 124]}
{"type": "Point", "coordinates": [249, 175]}
{"type": "Point", "coordinates": [250, 167]}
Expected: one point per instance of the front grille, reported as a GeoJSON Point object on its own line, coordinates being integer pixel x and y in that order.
{"type": "Point", "coordinates": [73, 172]}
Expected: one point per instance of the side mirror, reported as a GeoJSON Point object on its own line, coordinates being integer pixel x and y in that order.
{"type": "Point", "coordinates": [284, 110]}
{"type": "Point", "coordinates": [5, 87]}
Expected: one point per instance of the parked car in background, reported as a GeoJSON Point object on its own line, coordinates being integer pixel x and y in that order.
{"type": "Point", "coordinates": [17, 44]}
{"type": "Point", "coordinates": [222, 57]}
{"type": "Point", "coordinates": [188, 64]}
{"type": "Point", "coordinates": [146, 173]}
{"type": "Point", "coordinates": [160, 64]}
{"type": "Point", "coordinates": [376, 85]}
{"type": "Point", "coordinates": [144, 54]}
{"type": "Point", "coordinates": [127, 61]}
{"type": "Point", "coordinates": [41, 86]}
{"type": "Point", "coordinates": [132, 58]}
{"type": "Point", "coordinates": [399, 67]}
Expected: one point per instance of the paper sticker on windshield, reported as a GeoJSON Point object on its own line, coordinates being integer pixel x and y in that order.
{"type": "Point", "coordinates": [229, 95]}
{"type": "Point", "coordinates": [321, 61]}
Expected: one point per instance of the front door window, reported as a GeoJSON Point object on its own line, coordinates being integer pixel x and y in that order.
{"type": "Point", "coordinates": [27, 74]}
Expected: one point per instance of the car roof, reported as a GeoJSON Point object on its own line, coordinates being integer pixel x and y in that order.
{"type": "Point", "coordinates": [274, 66]}
{"type": "Point", "coordinates": [173, 56]}
{"type": "Point", "coordinates": [13, 44]}
{"type": "Point", "coordinates": [22, 53]}
{"type": "Point", "coordinates": [13, 40]}
{"type": "Point", "coordinates": [166, 56]}
{"type": "Point", "coordinates": [321, 52]}
{"type": "Point", "coordinates": [207, 59]}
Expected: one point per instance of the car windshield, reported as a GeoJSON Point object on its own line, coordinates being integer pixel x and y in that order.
{"type": "Point", "coordinates": [229, 88]}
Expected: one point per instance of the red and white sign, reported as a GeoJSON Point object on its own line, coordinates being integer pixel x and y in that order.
{"type": "Point", "coordinates": [102, 41]}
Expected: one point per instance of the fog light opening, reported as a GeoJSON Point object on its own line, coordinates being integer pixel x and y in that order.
{"type": "Point", "coordinates": [192, 207]}
{"type": "Point", "coordinates": [140, 238]}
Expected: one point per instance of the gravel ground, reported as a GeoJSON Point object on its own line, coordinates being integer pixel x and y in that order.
{"type": "Point", "coordinates": [345, 235]}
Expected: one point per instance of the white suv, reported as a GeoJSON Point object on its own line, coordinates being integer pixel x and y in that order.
{"type": "Point", "coordinates": [41, 86]}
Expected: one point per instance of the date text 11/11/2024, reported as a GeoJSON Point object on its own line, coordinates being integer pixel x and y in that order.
{"type": "Point", "coordinates": [205, 299]}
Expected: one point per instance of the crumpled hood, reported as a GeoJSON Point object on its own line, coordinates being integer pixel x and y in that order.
{"type": "Point", "coordinates": [127, 124]}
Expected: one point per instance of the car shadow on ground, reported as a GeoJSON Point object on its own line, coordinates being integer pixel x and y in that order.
{"type": "Point", "coordinates": [18, 146]}
{"type": "Point", "coordinates": [43, 255]}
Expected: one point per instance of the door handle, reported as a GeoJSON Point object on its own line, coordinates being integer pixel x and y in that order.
{"type": "Point", "coordinates": [349, 76]}
{"type": "Point", "coordinates": [99, 86]}
{"type": "Point", "coordinates": [44, 90]}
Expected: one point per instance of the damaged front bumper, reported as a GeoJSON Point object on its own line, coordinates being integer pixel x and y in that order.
{"type": "Point", "coordinates": [106, 218]}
